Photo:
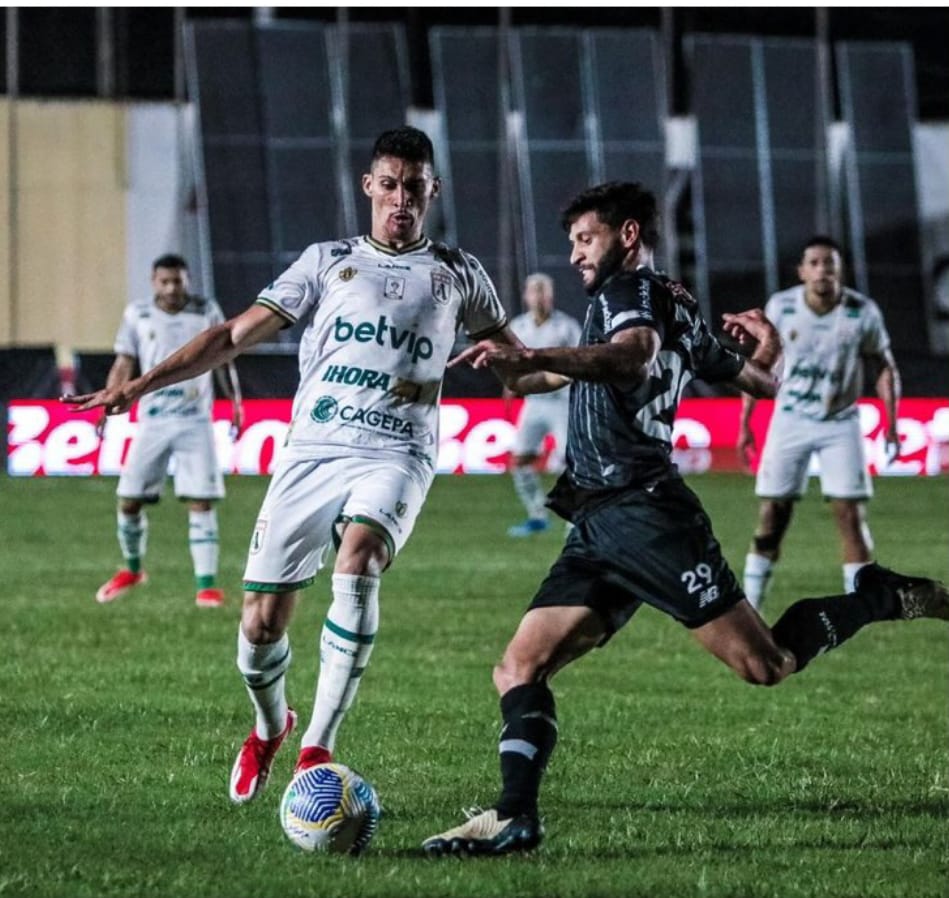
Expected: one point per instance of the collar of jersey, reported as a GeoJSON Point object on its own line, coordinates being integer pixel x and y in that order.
{"type": "Point", "coordinates": [389, 251]}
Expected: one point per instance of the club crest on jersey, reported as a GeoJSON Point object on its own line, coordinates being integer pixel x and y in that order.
{"type": "Point", "coordinates": [441, 286]}
{"type": "Point", "coordinates": [347, 274]}
{"type": "Point", "coordinates": [401, 508]}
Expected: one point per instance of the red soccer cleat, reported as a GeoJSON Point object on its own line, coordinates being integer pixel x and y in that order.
{"type": "Point", "coordinates": [120, 584]}
{"type": "Point", "coordinates": [310, 756]}
{"type": "Point", "coordinates": [252, 767]}
{"type": "Point", "coordinates": [209, 597]}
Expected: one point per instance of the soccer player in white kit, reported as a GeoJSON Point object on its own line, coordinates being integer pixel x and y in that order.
{"type": "Point", "coordinates": [173, 423]}
{"type": "Point", "coordinates": [541, 413]}
{"type": "Point", "coordinates": [829, 332]}
{"type": "Point", "coordinates": [382, 312]}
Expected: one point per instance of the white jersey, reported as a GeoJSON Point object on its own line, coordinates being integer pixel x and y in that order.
{"type": "Point", "coordinates": [381, 328]}
{"type": "Point", "coordinates": [558, 330]}
{"type": "Point", "coordinates": [824, 354]}
{"type": "Point", "coordinates": [151, 335]}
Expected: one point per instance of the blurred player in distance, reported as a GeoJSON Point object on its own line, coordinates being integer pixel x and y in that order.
{"type": "Point", "coordinates": [542, 414]}
{"type": "Point", "coordinates": [382, 312]}
{"type": "Point", "coordinates": [830, 333]}
{"type": "Point", "coordinates": [640, 534]}
{"type": "Point", "coordinates": [174, 423]}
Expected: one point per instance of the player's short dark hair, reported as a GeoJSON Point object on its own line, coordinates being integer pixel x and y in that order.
{"type": "Point", "coordinates": [821, 240]}
{"type": "Point", "coordinates": [405, 143]}
{"type": "Point", "coordinates": [170, 260]}
{"type": "Point", "coordinates": [614, 203]}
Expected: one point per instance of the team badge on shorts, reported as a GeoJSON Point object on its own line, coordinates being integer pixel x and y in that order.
{"type": "Point", "coordinates": [257, 537]}
{"type": "Point", "coordinates": [348, 273]}
{"type": "Point", "coordinates": [441, 286]}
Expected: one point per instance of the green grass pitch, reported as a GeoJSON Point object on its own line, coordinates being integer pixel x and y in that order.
{"type": "Point", "coordinates": [672, 777]}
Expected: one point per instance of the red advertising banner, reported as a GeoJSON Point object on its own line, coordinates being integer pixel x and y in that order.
{"type": "Point", "coordinates": [46, 438]}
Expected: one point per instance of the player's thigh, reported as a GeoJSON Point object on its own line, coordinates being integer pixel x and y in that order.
{"type": "Point", "coordinates": [387, 495]}
{"type": "Point", "coordinates": [559, 420]}
{"type": "Point", "coordinates": [295, 526]}
{"type": "Point", "coordinates": [146, 465]}
{"type": "Point", "coordinates": [532, 429]}
{"type": "Point", "coordinates": [843, 462]}
{"type": "Point", "coordinates": [197, 472]}
{"type": "Point", "coordinates": [782, 471]}
{"type": "Point", "coordinates": [657, 543]}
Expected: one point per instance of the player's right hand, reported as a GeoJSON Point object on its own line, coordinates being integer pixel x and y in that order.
{"type": "Point", "coordinates": [114, 401]}
{"type": "Point", "coordinates": [747, 448]}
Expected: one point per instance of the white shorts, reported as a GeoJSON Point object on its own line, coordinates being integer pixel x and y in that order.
{"type": "Point", "coordinates": [537, 419]}
{"type": "Point", "coordinates": [785, 461]}
{"type": "Point", "coordinates": [188, 445]}
{"type": "Point", "coordinates": [307, 500]}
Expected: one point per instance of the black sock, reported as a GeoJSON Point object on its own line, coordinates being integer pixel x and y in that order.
{"type": "Point", "coordinates": [526, 743]}
{"type": "Point", "coordinates": [811, 627]}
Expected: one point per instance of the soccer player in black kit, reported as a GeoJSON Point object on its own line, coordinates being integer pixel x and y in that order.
{"type": "Point", "coordinates": [640, 534]}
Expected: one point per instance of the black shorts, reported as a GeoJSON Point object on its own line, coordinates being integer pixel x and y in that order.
{"type": "Point", "coordinates": [651, 544]}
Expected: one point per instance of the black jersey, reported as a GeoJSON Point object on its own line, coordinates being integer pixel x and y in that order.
{"type": "Point", "coordinates": [618, 436]}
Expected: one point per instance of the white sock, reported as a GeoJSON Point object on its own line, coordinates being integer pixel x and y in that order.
{"type": "Point", "coordinates": [264, 669]}
{"type": "Point", "coordinates": [345, 646]}
{"type": "Point", "coordinates": [529, 490]}
{"type": "Point", "coordinates": [850, 571]}
{"type": "Point", "coordinates": [203, 542]}
{"type": "Point", "coordinates": [133, 537]}
{"type": "Point", "coordinates": [757, 576]}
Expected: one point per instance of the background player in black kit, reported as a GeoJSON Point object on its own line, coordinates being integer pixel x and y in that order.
{"type": "Point", "coordinates": [640, 533]}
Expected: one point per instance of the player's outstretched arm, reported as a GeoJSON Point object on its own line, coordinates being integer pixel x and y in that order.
{"type": "Point", "coordinates": [216, 346]}
{"type": "Point", "coordinates": [624, 360]}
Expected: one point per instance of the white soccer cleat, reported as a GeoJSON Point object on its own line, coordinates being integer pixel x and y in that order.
{"type": "Point", "coordinates": [484, 833]}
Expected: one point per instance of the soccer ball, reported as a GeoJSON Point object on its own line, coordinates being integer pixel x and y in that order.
{"type": "Point", "coordinates": [330, 808]}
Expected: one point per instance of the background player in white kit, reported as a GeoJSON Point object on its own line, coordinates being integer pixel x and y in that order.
{"type": "Point", "coordinates": [542, 413]}
{"type": "Point", "coordinates": [382, 313]}
{"type": "Point", "coordinates": [829, 333]}
{"type": "Point", "coordinates": [173, 423]}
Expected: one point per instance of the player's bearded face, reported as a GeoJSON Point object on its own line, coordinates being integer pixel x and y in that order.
{"type": "Point", "coordinates": [598, 250]}
{"type": "Point", "coordinates": [401, 193]}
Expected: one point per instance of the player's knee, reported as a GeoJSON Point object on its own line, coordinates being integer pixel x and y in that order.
{"type": "Point", "coordinates": [513, 670]}
{"type": "Point", "coordinates": [363, 553]}
{"type": "Point", "coordinates": [259, 625]}
{"type": "Point", "coordinates": [767, 668]}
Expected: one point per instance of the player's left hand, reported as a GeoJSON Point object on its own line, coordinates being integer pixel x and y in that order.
{"type": "Point", "coordinates": [750, 326]}
{"type": "Point", "coordinates": [506, 359]}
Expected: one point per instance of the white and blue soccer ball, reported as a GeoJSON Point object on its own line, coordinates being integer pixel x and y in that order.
{"type": "Point", "coordinates": [330, 808]}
